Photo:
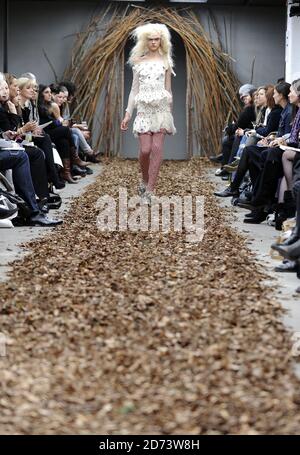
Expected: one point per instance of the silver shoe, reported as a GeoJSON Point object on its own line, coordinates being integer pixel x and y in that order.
{"type": "Point", "coordinates": [147, 198]}
{"type": "Point", "coordinates": [141, 188]}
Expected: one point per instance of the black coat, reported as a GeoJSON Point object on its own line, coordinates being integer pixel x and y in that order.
{"type": "Point", "coordinates": [272, 122]}
{"type": "Point", "coordinates": [9, 121]}
{"type": "Point", "coordinates": [244, 121]}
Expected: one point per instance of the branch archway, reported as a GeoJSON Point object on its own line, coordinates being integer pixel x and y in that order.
{"type": "Point", "coordinates": [97, 68]}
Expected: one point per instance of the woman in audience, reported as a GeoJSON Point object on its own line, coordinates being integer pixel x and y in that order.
{"type": "Point", "coordinates": [18, 162]}
{"type": "Point", "coordinates": [60, 97]}
{"type": "Point", "coordinates": [290, 248]}
{"type": "Point", "coordinates": [60, 135]}
{"type": "Point", "coordinates": [9, 121]}
{"type": "Point", "coordinates": [29, 114]}
{"type": "Point", "coordinates": [244, 121]}
{"type": "Point", "coordinates": [251, 159]}
{"type": "Point", "coordinates": [272, 170]}
{"type": "Point", "coordinates": [286, 204]}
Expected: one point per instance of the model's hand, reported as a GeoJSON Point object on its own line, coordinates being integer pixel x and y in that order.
{"type": "Point", "coordinates": [125, 122]}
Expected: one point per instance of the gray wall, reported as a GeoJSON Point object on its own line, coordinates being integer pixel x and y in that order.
{"type": "Point", "coordinates": [51, 26]}
{"type": "Point", "coordinates": [254, 31]}
{"type": "Point", "coordinates": [250, 31]}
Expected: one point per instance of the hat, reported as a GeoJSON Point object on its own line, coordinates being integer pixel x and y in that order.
{"type": "Point", "coordinates": [246, 89]}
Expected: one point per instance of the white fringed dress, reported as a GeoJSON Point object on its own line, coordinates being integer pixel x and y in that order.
{"type": "Point", "coordinates": [152, 97]}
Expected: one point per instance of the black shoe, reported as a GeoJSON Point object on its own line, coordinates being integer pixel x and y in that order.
{"type": "Point", "coordinates": [293, 238]}
{"type": "Point", "coordinates": [42, 203]}
{"type": "Point", "coordinates": [19, 221]}
{"type": "Point", "coordinates": [225, 177]}
{"type": "Point", "coordinates": [60, 185]}
{"type": "Point", "coordinates": [54, 197]}
{"type": "Point", "coordinates": [290, 251]}
{"type": "Point", "coordinates": [221, 172]}
{"type": "Point", "coordinates": [89, 171]}
{"type": "Point", "coordinates": [258, 218]}
{"type": "Point", "coordinates": [44, 208]}
{"type": "Point", "coordinates": [54, 205]}
{"type": "Point", "coordinates": [216, 159]}
{"type": "Point", "coordinates": [54, 201]}
{"type": "Point", "coordinates": [76, 170]}
{"type": "Point", "coordinates": [228, 192]}
{"type": "Point", "coordinates": [286, 266]}
{"type": "Point", "coordinates": [41, 220]}
{"type": "Point", "coordinates": [250, 206]}
{"type": "Point", "coordinates": [251, 214]}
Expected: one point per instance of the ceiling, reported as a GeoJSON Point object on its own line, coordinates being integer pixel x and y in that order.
{"type": "Point", "coordinates": [209, 2]}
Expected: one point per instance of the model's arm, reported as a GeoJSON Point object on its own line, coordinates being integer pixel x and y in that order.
{"type": "Point", "coordinates": [133, 92]}
{"type": "Point", "coordinates": [168, 83]}
{"type": "Point", "coordinates": [131, 100]}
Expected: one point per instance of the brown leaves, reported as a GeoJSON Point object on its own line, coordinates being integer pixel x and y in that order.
{"type": "Point", "coordinates": [123, 332]}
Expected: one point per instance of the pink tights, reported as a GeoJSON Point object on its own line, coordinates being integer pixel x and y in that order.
{"type": "Point", "coordinates": [150, 157]}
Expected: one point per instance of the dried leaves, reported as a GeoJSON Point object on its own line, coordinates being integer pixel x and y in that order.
{"type": "Point", "coordinates": [134, 333]}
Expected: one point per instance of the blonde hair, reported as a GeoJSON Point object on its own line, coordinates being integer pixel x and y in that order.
{"type": "Point", "coordinates": [24, 81]}
{"type": "Point", "coordinates": [141, 34]}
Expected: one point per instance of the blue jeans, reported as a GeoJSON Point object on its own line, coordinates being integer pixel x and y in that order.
{"type": "Point", "coordinates": [18, 161]}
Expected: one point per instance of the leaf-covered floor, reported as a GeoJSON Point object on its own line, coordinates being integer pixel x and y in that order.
{"type": "Point", "coordinates": [139, 333]}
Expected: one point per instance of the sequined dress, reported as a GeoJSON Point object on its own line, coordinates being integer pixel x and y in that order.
{"type": "Point", "coordinates": [152, 99]}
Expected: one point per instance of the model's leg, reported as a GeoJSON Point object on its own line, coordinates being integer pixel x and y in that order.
{"type": "Point", "coordinates": [156, 159]}
{"type": "Point", "coordinates": [144, 155]}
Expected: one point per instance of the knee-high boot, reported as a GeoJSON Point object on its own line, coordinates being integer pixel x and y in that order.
{"type": "Point", "coordinates": [66, 172]}
{"type": "Point", "coordinates": [75, 158]}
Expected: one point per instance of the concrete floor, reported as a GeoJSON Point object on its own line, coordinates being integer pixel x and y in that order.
{"type": "Point", "coordinates": [11, 239]}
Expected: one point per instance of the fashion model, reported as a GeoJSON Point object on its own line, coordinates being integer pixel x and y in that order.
{"type": "Point", "coordinates": [152, 66]}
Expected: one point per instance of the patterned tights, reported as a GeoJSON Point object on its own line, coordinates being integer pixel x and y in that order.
{"type": "Point", "coordinates": [150, 157]}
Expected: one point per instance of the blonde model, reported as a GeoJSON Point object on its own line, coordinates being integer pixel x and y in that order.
{"type": "Point", "coordinates": [151, 94]}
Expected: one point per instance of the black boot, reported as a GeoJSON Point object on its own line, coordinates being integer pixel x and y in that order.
{"type": "Point", "coordinates": [289, 203]}
{"type": "Point", "coordinates": [258, 218]}
{"type": "Point", "coordinates": [291, 252]}
{"type": "Point", "coordinates": [229, 191]}
{"type": "Point", "coordinates": [294, 237]}
{"type": "Point", "coordinates": [76, 170]}
{"type": "Point", "coordinates": [280, 216]}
